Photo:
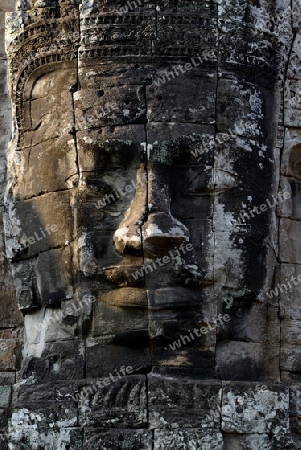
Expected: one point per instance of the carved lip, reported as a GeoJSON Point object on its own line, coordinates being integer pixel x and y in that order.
{"type": "Point", "coordinates": [127, 296]}
{"type": "Point", "coordinates": [125, 275]}
{"type": "Point", "coordinates": [172, 297]}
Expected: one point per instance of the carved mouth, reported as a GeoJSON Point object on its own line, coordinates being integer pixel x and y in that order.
{"type": "Point", "coordinates": [153, 299]}
{"type": "Point", "coordinates": [126, 297]}
{"type": "Point", "coordinates": [149, 276]}
{"type": "Point", "coordinates": [126, 274]}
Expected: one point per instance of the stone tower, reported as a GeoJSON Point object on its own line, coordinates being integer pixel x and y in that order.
{"type": "Point", "coordinates": [150, 235]}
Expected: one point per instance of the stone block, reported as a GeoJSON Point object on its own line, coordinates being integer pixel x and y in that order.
{"type": "Point", "coordinates": [44, 222]}
{"type": "Point", "coordinates": [106, 355]}
{"type": "Point", "coordinates": [7, 378]}
{"type": "Point", "coordinates": [290, 241]}
{"type": "Point", "coordinates": [183, 439]}
{"type": "Point", "coordinates": [285, 207]}
{"type": "Point", "coordinates": [110, 148]}
{"type": "Point", "coordinates": [4, 441]}
{"type": "Point", "coordinates": [4, 417]}
{"type": "Point", "coordinates": [5, 396]}
{"type": "Point", "coordinates": [54, 361]}
{"type": "Point", "coordinates": [190, 361]}
{"type": "Point", "coordinates": [121, 404]}
{"type": "Point", "coordinates": [290, 358]}
{"type": "Point", "coordinates": [166, 105]}
{"type": "Point", "coordinates": [256, 441]}
{"type": "Point", "coordinates": [9, 354]}
{"type": "Point", "coordinates": [288, 290]}
{"type": "Point", "coordinates": [246, 321]}
{"type": "Point", "coordinates": [237, 360]}
{"type": "Point", "coordinates": [115, 74]}
{"type": "Point", "coordinates": [29, 438]}
{"type": "Point", "coordinates": [122, 439]}
{"type": "Point", "coordinates": [183, 403]}
{"type": "Point", "coordinates": [249, 408]}
{"type": "Point", "coordinates": [109, 319]}
{"type": "Point", "coordinates": [37, 406]}
{"type": "Point", "coordinates": [49, 112]}
{"type": "Point", "coordinates": [292, 138]}
{"type": "Point", "coordinates": [175, 328]}
{"type": "Point", "coordinates": [241, 121]}
{"type": "Point", "coordinates": [295, 408]}
{"type": "Point", "coordinates": [41, 161]}
{"type": "Point", "coordinates": [10, 314]}
{"type": "Point", "coordinates": [292, 103]}
{"type": "Point", "coordinates": [96, 252]}
{"type": "Point", "coordinates": [47, 325]}
{"type": "Point", "coordinates": [291, 332]}
{"type": "Point", "coordinates": [54, 276]}
{"type": "Point", "coordinates": [170, 297]}
{"type": "Point", "coordinates": [24, 274]}
{"type": "Point", "coordinates": [115, 105]}
{"type": "Point", "coordinates": [293, 71]}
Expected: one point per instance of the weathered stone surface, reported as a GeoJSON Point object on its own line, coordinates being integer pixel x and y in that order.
{"type": "Point", "coordinates": [52, 156]}
{"type": "Point", "coordinates": [54, 361]}
{"type": "Point", "coordinates": [255, 441]}
{"type": "Point", "coordinates": [183, 403]}
{"type": "Point", "coordinates": [7, 378]}
{"type": "Point", "coordinates": [48, 325]}
{"type": "Point", "coordinates": [58, 285]}
{"type": "Point", "coordinates": [29, 438]}
{"type": "Point", "coordinates": [186, 439]}
{"type": "Point", "coordinates": [10, 314]}
{"type": "Point", "coordinates": [46, 223]}
{"type": "Point", "coordinates": [166, 106]}
{"type": "Point", "coordinates": [288, 290]}
{"type": "Point", "coordinates": [244, 406]}
{"type": "Point", "coordinates": [122, 439]}
{"type": "Point", "coordinates": [135, 128]}
{"type": "Point", "coordinates": [290, 358]}
{"type": "Point", "coordinates": [295, 408]}
{"type": "Point", "coordinates": [290, 241]}
{"type": "Point", "coordinates": [239, 360]}
{"type": "Point", "coordinates": [5, 395]}
{"type": "Point", "coordinates": [122, 403]}
{"type": "Point", "coordinates": [49, 404]}
{"type": "Point", "coordinates": [109, 319]}
{"type": "Point", "coordinates": [129, 348]}
{"type": "Point", "coordinates": [246, 321]}
{"type": "Point", "coordinates": [10, 354]}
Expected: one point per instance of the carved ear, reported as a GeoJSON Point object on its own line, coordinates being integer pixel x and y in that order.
{"type": "Point", "coordinates": [295, 181]}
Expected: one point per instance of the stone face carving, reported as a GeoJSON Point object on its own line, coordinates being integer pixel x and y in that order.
{"type": "Point", "coordinates": [140, 221]}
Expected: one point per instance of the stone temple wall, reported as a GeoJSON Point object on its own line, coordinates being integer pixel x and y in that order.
{"type": "Point", "coordinates": [11, 321]}
{"type": "Point", "coordinates": [150, 161]}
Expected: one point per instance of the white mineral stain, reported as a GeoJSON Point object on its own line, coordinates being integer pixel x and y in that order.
{"type": "Point", "coordinates": [122, 235]}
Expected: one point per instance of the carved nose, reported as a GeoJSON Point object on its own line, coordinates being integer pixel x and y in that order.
{"type": "Point", "coordinates": [161, 231]}
{"type": "Point", "coordinates": [127, 238]}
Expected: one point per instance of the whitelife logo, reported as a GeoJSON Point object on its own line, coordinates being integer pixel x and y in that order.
{"type": "Point", "coordinates": [38, 237]}
{"type": "Point", "coordinates": [198, 332]}
{"type": "Point", "coordinates": [161, 261]}
{"type": "Point", "coordinates": [122, 192]}
{"type": "Point", "coordinates": [101, 384]}
{"type": "Point", "coordinates": [181, 70]}
{"type": "Point", "coordinates": [262, 208]}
